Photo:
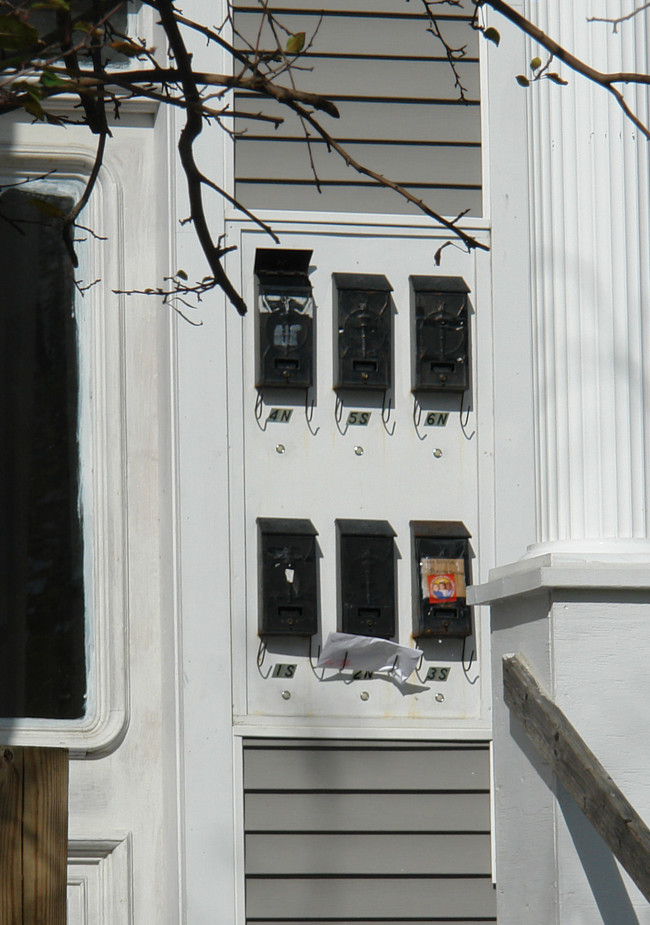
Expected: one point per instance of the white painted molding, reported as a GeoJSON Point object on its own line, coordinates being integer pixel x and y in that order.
{"type": "Point", "coordinates": [102, 438]}
{"type": "Point", "coordinates": [557, 571]}
{"type": "Point", "coordinates": [100, 875]}
{"type": "Point", "coordinates": [590, 257]}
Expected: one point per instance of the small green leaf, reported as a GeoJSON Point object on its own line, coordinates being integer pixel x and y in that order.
{"type": "Point", "coordinates": [129, 49]}
{"type": "Point", "coordinates": [52, 5]}
{"type": "Point", "coordinates": [34, 108]}
{"type": "Point", "coordinates": [522, 80]}
{"type": "Point", "coordinates": [16, 34]}
{"type": "Point", "coordinates": [50, 79]}
{"type": "Point", "coordinates": [181, 274]}
{"type": "Point", "coordinates": [535, 63]}
{"type": "Point", "coordinates": [492, 35]}
{"type": "Point", "coordinates": [295, 43]}
{"type": "Point", "coordinates": [557, 79]}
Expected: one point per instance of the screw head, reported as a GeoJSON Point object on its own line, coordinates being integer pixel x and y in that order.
{"type": "Point", "coordinates": [440, 697]}
{"type": "Point", "coordinates": [364, 695]}
{"type": "Point", "coordinates": [286, 695]}
{"type": "Point", "coordinates": [280, 448]}
{"type": "Point", "coordinates": [358, 451]}
{"type": "Point", "coordinates": [437, 452]}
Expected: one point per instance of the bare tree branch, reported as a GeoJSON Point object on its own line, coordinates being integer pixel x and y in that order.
{"type": "Point", "coordinates": [606, 80]}
{"type": "Point", "coordinates": [189, 134]}
{"type": "Point", "coordinates": [71, 218]}
{"type": "Point", "coordinates": [71, 59]}
{"type": "Point", "coordinates": [615, 23]}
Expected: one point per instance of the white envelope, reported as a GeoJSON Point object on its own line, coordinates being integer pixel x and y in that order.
{"type": "Point", "coordinates": [343, 650]}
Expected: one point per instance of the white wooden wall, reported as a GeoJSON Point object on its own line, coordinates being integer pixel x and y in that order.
{"type": "Point", "coordinates": [575, 603]}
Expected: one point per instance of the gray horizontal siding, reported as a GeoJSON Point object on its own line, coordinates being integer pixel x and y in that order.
{"type": "Point", "coordinates": [359, 35]}
{"type": "Point", "coordinates": [349, 769]}
{"type": "Point", "coordinates": [367, 832]}
{"type": "Point", "coordinates": [352, 7]}
{"type": "Point", "coordinates": [452, 123]}
{"type": "Point", "coordinates": [388, 77]}
{"type": "Point", "coordinates": [357, 812]}
{"type": "Point", "coordinates": [341, 78]}
{"type": "Point", "coordinates": [404, 164]}
{"type": "Point", "coordinates": [394, 897]}
{"type": "Point", "coordinates": [369, 854]}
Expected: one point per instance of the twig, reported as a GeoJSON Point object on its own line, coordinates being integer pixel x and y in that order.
{"type": "Point", "coordinates": [190, 132]}
{"type": "Point", "coordinates": [603, 79]}
{"type": "Point", "coordinates": [71, 217]}
{"type": "Point", "coordinates": [615, 23]}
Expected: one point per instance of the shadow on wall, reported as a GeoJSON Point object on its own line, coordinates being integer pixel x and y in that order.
{"type": "Point", "coordinates": [603, 875]}
{"type": "Point", "coordinates": [599, 865]}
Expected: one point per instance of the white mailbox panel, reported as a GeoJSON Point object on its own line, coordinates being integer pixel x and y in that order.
{"type": "Point", "coordinates": [327, 454]}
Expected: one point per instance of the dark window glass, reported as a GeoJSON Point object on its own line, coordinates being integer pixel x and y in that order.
{"type": "Point", "coordinates": [44, 20]}
{"type": "Point", "coordinates": [42, 658]}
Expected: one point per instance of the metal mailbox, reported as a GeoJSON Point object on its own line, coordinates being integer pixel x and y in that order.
{"type": "Point", "coordinates": [440, 340]}
{"type": "Point", "coordinates": [364, 331]}
{"type": "Point", "coordinates": [285, 319]}
{"type": "Point", "coordinates": [441, 558]}
{"type": "Point", "coordinates": [366, 577]}
{"type": "Point", "coordinates": [288, 577]}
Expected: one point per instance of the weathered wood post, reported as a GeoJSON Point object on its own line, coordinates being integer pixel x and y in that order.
{"type": "Point", "coordinates": [578, 769]}
{"type": "Point", "coordinates": [33, 835]}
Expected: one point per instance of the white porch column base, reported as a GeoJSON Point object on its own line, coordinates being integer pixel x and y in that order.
{"type": "Point", "coordinates": [582, 622]}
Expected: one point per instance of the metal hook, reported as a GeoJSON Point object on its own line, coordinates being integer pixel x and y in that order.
{"type": "Point", "coordinates": [309, 413]}
{"type": "Point", "coordinates": [385, 418]}
{"type": "Point", "coordinates": [466, 668]}
{"type": "Point", "coordinates": [261, 655]}
{"type": "Point", "coordinates": [463, 424]}
{"type": "Point", "coordinates": [311, 660]}
{"type": "Point", "coordinates": [417, 417]}
{"type": "Point", "coordinates": [338, 414]}
{"type": "Point", "coordinates": [259, 410]}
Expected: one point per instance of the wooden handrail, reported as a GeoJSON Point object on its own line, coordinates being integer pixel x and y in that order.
{"type": "Point", "coordinates": [33, 835]}
{"type": "Point", "coordinates": [579, 771]}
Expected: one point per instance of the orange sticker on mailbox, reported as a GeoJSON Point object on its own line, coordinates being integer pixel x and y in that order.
{"type": "Point", "coordinates": [442, 580]}
{"type": "Point", "coordinates": [441, 588]}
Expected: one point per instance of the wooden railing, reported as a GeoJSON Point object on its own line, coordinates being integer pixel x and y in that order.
{"type": "Point", "coordinates": [579, 771]}
{"type": "Point", "coordinates": [33, 835]}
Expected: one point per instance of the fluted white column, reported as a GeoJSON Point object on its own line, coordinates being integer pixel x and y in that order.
{"type": "Point", "coordinates": [591, 289]}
